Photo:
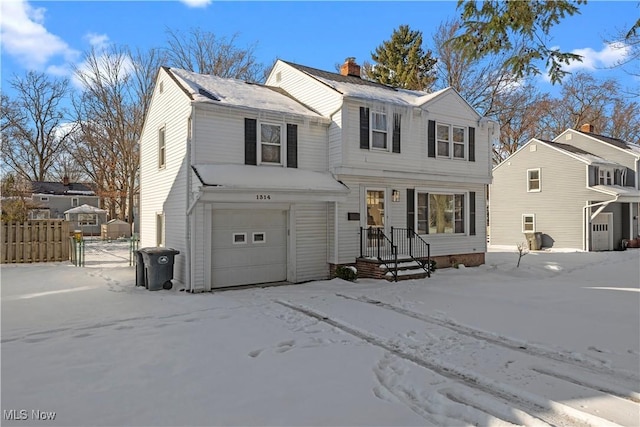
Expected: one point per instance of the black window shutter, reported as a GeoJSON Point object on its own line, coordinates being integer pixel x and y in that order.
{"type": "Point", "coordinates": [472, 213]}
{"type": "Point", "coordinates": [364, 128]}
{"type": "Point", "coordinates": [431, 138]}
{"type": "Point", "coordinates": [292, 146]}
{"type": "Point", "coordinates": [396, 133]}
{"type": "Point", "coordinates": [250, 144]}
{"type": "Point", "coordinates": [472, 144]}
{"type": "Point", "coordinates": [411, 209]}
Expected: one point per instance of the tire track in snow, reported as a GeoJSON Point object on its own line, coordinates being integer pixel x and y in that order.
{"type": "Point", "coordinates": [543, 410]}
{"type": "Point", "coordinates": [520, 346]}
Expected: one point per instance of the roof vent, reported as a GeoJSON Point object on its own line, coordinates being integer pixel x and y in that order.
{"type": "Point", "coordinates": [350, 68]}
{"type": "Point", "coordinates": [587, 128]}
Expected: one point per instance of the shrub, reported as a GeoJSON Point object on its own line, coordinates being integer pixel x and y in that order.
{"type": "Point", "coordinates": [348, 273]}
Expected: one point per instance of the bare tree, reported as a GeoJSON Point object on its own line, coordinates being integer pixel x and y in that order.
{"type": "Point", "coordinates": [205, 53]}
{"type": "Point", "coordinates": [33, 135]}
{"type": "Point", "coordinates": [116, 90]}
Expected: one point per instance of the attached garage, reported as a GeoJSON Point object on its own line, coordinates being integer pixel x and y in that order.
{"type": "Point", "coordinates": [248, 247]}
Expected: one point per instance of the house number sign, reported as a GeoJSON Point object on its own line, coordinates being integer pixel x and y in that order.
{"type": "Point", "coordinates": [263, 196]}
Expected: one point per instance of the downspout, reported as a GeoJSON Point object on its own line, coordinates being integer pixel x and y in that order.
{"type": "Point", "coordinates": [586, 234]}
{"type": "Point", "coordinates": [189, 206]}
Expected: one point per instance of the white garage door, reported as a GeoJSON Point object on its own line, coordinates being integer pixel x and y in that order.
{"type": "Point", "coordinates": [602, 232]}
{"type": "Point", "coordinates": [248, 247]}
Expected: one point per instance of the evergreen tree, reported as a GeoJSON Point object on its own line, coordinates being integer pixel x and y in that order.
{"type": "Point", "coordinates": [401, 61]}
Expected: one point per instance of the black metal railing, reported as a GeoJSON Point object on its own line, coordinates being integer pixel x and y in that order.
{"type": "Point", "coordinates": [410, 244]}
{"type": "Point", "coordinates": [375, 244]}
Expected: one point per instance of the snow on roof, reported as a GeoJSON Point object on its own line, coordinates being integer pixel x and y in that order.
{"type": "Point", "coordinates": [355, 87]}
{"type": "Point", "coordinates": [579, 153]}
{"type": "Point", "coordinates": [623, 193]}
{"type": "Point", "coordinates": [267, 177]}
{"type": "Point", "coordinates": [212, 89]}
{"type": "Point", "coordinates": [84, 209]}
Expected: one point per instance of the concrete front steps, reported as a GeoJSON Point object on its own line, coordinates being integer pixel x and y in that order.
{"type": "Point", "coordinates": [408, 269]}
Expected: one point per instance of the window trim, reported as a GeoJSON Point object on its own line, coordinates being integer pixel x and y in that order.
{"type": "Point", "coordinates": [75, 202]}
{"type": "Point", "coordinates": [87, 223]}
{"type": "Point", "coordinates": [451, 143]}
{"type": "Point", "coordinates": [533, 222]}
{"type": "Point", "coordinates": [282, 144]}
{"type": "Point", "coordinates": [529, 180]}
{"type": "Point", "coordinates": [450, 192]}
{"type": "Point", "coordinates": [160, 229]}
{"type": "Point", "coordinates": [162, 147]}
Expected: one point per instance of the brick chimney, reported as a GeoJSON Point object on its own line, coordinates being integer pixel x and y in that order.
{"type": "Point", "coordinates": [350, 68]}
{"type": "Point", "coordinates": [65, 180]}
{"type": "Point", "coordinates": [586, 128]}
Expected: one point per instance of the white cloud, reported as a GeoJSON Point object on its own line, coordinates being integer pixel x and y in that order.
{"type": "Point", "coordinates": [610, 55]}
{"type": "Point", "coordinates": [196, 3]}
{"type": "Point", "coordinates": [99, 41]}
{"type": "Point", "coordinates": [25, 38]}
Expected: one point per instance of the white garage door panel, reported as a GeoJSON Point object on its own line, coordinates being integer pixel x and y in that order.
{"type": "Point", "coordinates": [247, 263]}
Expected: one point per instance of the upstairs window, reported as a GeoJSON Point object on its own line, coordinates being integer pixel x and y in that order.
{"type": "Point", "coordinates": [271, 143]}
{"type": "Point", "coordinates": [162, 150]}
{"type": "Point", "coordinates": [74, 202]}
{"type": "Point", "coordinates": [451, 141]}
{"type": "Point", "coordinates": [533, 180]}
{"type": "Point", "coordinates": [379, 130]}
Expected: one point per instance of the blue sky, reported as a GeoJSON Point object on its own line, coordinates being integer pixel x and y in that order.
{"type": "Point", "coordinates": [47, 35]}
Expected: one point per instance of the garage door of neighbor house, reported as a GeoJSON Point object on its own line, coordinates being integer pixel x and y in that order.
{"type": "Point", "coordinates": [602, 232]}
{"type": "Point", "coordinates": [248, 246]}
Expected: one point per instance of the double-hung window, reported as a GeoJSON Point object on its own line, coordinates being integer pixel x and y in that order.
{"type": "Point", "coordinates": [379, 130]}
{"type": "Point", "coordinates": [528, 223]}
{"type": "Point", "coordinates": [87, 219]}
{"type": "Point", "coordinates": [271, 143]}
{"type": "Point", "coordinates": [451, 141]}
{"type": "Point", "coordinates": [533, 180]}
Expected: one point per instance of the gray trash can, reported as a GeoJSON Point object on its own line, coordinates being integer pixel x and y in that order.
{"type": "Point", "coordinates": [158, 267]}
{"type": "Point", "coordinates": [534, 240]}
{"type": "Point", "coordinates": [140, 279]}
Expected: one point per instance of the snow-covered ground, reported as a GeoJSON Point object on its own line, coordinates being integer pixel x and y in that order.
{"type": "Point", "coordinates": [554, 342]}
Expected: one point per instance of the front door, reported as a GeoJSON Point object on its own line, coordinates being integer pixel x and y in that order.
{"type": "Point", "coordinates": [375, 215]}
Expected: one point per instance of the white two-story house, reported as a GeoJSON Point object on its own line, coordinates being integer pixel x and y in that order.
{"type": "Point", "coordinates": [579, 191]}
{"type": "Point", "coordinates": [285, 181]}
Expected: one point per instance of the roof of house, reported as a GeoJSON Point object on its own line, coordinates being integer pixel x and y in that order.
{"type": "Point", "coordinates": [87, 209]}
{"type": "Point", "coordinates": [612, 141]}
{"type": "Point", "coordinates": [356, 87]}
{"type": "Point", "coordinates": [566, 147]}
{"type": "Point", "coordinates": [59, 189]}
{"type": "Point", "coordinates": [233, 176]}
{"type": "Point", "coordinates": [232, 92]}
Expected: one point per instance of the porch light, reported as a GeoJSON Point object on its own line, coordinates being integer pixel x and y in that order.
{"type": "Point", "coordinates": [395, 195]}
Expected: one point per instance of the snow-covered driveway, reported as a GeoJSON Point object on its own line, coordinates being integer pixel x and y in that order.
{"type": "Point", "coordinates": [555, 342]}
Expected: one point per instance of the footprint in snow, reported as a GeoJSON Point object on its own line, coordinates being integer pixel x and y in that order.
{"type": "Point", "coordinates": [285, 346]}
{"type": "Point", "coordinates": [255, 353]}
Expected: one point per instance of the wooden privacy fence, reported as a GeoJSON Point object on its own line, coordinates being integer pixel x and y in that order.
{"type": "Point", "coordinates": [43, 240]}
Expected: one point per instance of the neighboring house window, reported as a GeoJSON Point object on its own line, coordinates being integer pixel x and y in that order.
{"type": "Point", "coordinates": [533, 180]}
{"type": "Point", "coordinates": [39, 214]}
{"type": "Point", "coordinates": [44, 199]}
{"type": "Point", "coordinates": [87, 219]}
{"type": "Point", "coordinates": [74, 202]}
{"type": "Point", "coordinates": [160, 229]}
{"type": "Point", "coordinates": [379, 130]}
{"type": "Point", "coordinates": [609, 181]}
{"type": "Point", "coordinates": [271, 143]}
{"type": "Point", "coordinates": [451, 141]}
{"type": "Point", "coordinates": [528, 223]}
{"type": "Point", "coordinates": [441, 213]}
{"type": "Point", "coordinates": [162, 148]}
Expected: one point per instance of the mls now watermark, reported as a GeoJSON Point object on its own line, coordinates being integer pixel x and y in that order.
{"type": "Point", "coordinates": [23, 415]}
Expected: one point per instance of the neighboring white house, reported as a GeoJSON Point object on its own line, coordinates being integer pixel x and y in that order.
{"type": "Point", "coordinates": [579, 191]}
{"type": "Point", "coordinates": [286, 181]}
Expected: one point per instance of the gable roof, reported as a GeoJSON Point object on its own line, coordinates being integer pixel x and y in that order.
{"type": "Point", "coordinates": [59, 189]}
{"type": "Point", "coordinates": [237, 93]}
{"type": "Point", "coordinates": [356, 87]}
{"type": "Point", "coordinates": [612, 141]}
{"type": "Point", "coordinates": [85, 209]}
